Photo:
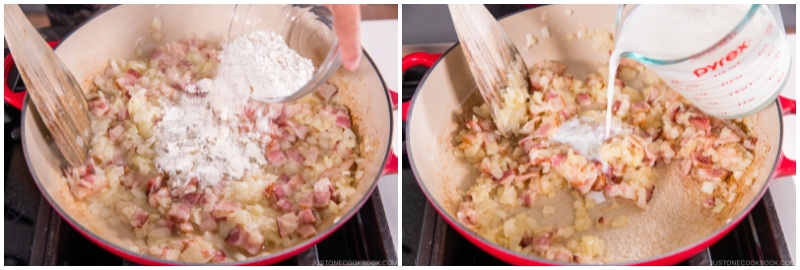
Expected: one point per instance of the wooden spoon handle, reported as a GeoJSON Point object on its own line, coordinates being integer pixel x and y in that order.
{"type": "Point", "coordinates": [55, 92]}
{"type": "Point", "coordinates": [490, 55]}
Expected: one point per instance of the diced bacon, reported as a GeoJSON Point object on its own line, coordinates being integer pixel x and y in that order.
{"type": "Point", "coordinates": [655, 92]}
{"type": "Point", "coordinates": [208, 201]}
{"type": "Point", "coordinates": [311, 155]}
{"type": "Point", "coordinates": [290, 110]}
{"type": "Point", "coordinates": [282, 190]}
{"type": "Point", "coordinates": [134, 73]}
{"type": "Point", "coordinates": [207, 223]}
{"type": "Point", "coordinates": [136, 216]}
{"type": "Point", "coordinates": [287, 224]}
{"type": "Point", "coordinates": [179, 212]}
{"type": "Point", "coordinates": [125, 80]}
{"type": "Point", "coordinates": [252, 242]}
{"type": "Point", "coordinates": [526, 240]}
{"type": "Point", "coordinates": [701, 122]}
{"type": "Point", "coordinates": [466, 214]}
{"type": "Point", "coordinates": [530, 175]}
{"type": "Point", "coordinates": [639, 107]}
{"type": "Point", "coordinates": [224, 208]}
{"type": "Point", "coordinates": [560, 254]}
{"type": "Point", "coordinates": [473, 125]}
{"type": "Point", "coordinates": [650, 193]}
{"type": "Point", "coordinates": [700, 161]}
{"type": "Point", "coordinates": [583, 99]}
{"type": "Point", "coordinates": [322, 193]}
{"type": "Point", "coordinates": [158, 55]}
{"type": "Point", "coordinates": [336, 171]}
{"type": "Point", "coordinates": [546, 129]}
{"type": "Point", "coordinates": [98, 106]}
{"type": "Point", "coordinates": [686, 166]}
{"type": "Point", "coordinates": [295, 155]}
{"type": "Point", "coordinates": [186, 227]}
{"type": "Point", "coordinates": [154, 184]}
{"type": "Point", "coordinates": [558, 159]}
{"type": "Point", "coordinates": [299, 129]}
{"type": "Point", "coordinates": [726, 135]}
{"type": "Point", "coordinates": [219, 256]}
{"type": "Point", "coordinates": [542, 242]}
{"type": "Point", "coordinates": [165, 223]}
{"type": "Point", "coordinates": [555, 101]}
{"type": "Point", "coordinates": [306, 201]}
{"type": "Point", "coordinates": [486, 124]}
{"type": "Point", "coordinates": [284, 204]}
{"type": "Point", "coordinates": [527, 197]}
{"type": "Point", "coordinates": [83, 181]}
{"type": "Point", "coordinates": [307, 217]}
{"type": "Point", "coordinates": [115, 133]}
{"type": "Point", "coordinates": [600, 182]}
{"type": "Point", "coordinates": [615, 107]}
{"type": "Point", "coordinates": [711, 174]}
{"type": "Point", "coordinates": [750, 144]}
{"type": "Point", "coordinates": [276, 157]}
{"type": "Point", "coordinates": [621, 190]}
{"type": "Point", "coordinates": [297, 182]}
{"type": "Point", "coordinates": [507, 178]}
{"type": "Point", "coordinates": [160, 198]}
{"type": "Point", "coordinates": [708, 203]}
{"type": "Point", "coordinates": [326, 91]}
{"type": "Point", "coordinates": [192, 198]}
{"type": "Point", "coordinates": [190, 187]}
{"type": "Point", "coordinates": [340, 116]}
{"type": "Point", "coordinates": [307, 231]}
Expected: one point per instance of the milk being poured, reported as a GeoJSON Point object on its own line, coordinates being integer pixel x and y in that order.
{"type": "Point", "coordinates": [732, 80]}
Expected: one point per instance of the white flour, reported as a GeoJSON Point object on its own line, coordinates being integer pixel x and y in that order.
{"type": "Point", "coordinates": [258, 65]}
{"type": "Point", "coordinates": [198, 135]}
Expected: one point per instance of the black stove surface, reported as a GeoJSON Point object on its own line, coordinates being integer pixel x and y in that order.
{"type": "Point", "coordinates": [429, 240]}
{"type": "Point", "coordinates": [36, 235]}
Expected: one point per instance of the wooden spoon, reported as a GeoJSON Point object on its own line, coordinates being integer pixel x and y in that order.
{"type": "Point", "coordinates": [491, 56]}
{"type": "Point", "coordinates": [55, 92]}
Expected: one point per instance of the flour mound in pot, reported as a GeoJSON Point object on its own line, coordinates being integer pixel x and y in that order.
{"type": "Point", "coordinates": [199, 180]}
{"type": "Point", "coordinates": [519, 174]}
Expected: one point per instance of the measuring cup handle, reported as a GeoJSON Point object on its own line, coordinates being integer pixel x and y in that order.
{"type": "Point", "coordinates": [15, 99]}
{"type": "Point", "coordinates": [786, 166]}
{"type": "Point", "coordinates": [417, 59]}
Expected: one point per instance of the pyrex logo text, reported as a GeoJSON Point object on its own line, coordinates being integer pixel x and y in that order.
{"type": "Point", "coordinates": [721, 62]}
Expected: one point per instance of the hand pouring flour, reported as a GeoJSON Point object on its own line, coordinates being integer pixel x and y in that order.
{"type": "Point", "coordinates": [729, 60]}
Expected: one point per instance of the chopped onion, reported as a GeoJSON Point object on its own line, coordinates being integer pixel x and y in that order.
{"type": "Point", "coordinates": [708, 187]}
{"type": "Point", "coordinates": [596, 196]}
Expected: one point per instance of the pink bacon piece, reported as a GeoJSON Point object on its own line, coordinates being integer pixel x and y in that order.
{"type": "Point", "coordinates": [135, 215]}
{"type": "Point", "coordinates": [287, 224]}
{"type": "Point", "coordinates": [326, 91]}
{"type": "Point", "coordinates": [307, 217]}
{"type": "Point", "coordinates": [179, 212]}
{"type": "Point", "coordinates": [276, 157]}
{"type": "Point", "coordinates": [583, 99]}
{"type": "Point", "coordinates": [252, 242]}
{"type": "Point", "coordinates": [322, 192]}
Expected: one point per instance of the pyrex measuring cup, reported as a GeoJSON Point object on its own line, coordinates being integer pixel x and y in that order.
{"type": "Point", "coordinates": [738, 75]}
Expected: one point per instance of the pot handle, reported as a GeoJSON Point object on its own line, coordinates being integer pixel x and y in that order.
{"type": "Point", "coordinates": [391, 161]}
{"type": "Point", "coordinates": [786, 166]}
{"type": "Point", "coordinates": [15, 99]}
{"type": "Point", "coordinates": [417, 59]}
